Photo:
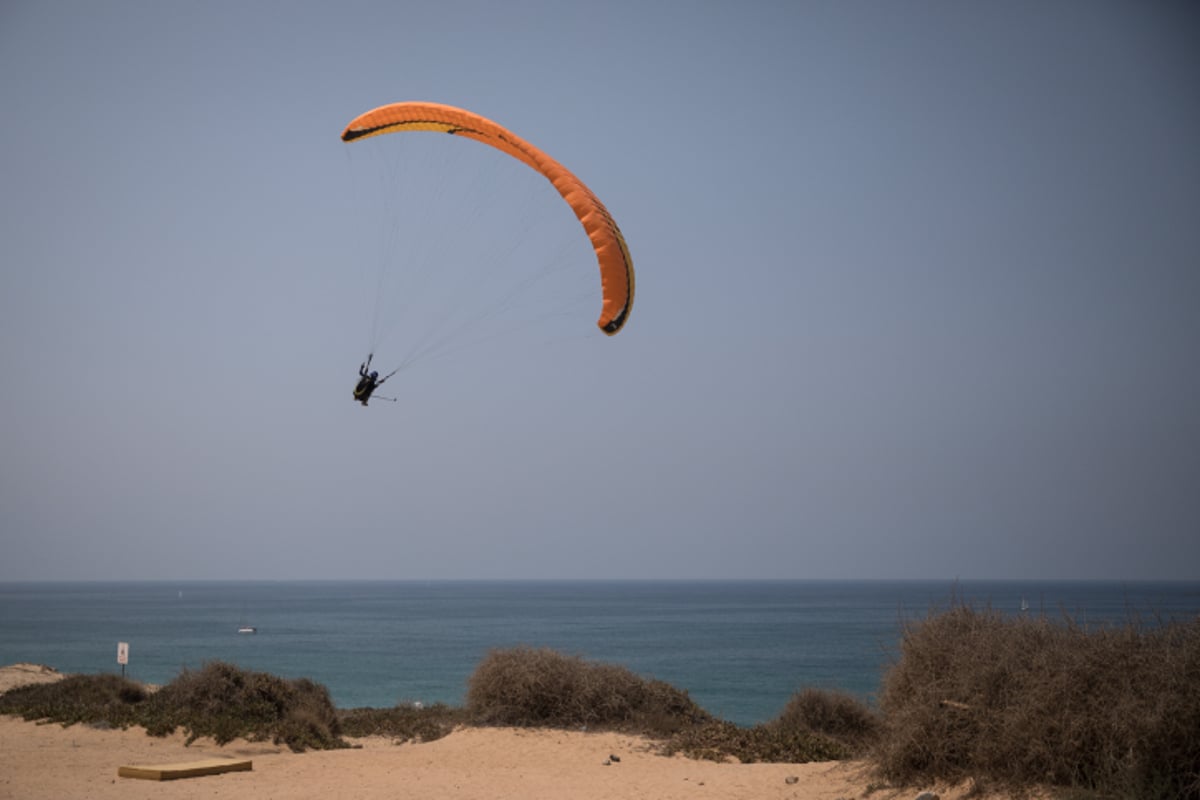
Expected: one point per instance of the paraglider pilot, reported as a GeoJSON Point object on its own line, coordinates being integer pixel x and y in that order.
{"type": "Point", "coordinates": [368, 382]}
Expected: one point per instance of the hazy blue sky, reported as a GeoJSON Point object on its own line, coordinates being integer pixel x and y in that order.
{"type": "Point", "coordinates": [918, 292]}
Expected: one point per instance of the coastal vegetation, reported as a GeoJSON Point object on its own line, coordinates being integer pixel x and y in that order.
{"type": "Point", "coordinates": [220, 701]}
{"type": "Point", "coordinates": [1113, 710]}
{"type": "Point", "coordinates": [1008, 702]}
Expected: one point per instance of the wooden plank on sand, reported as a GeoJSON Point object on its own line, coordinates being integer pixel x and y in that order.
{"type": "Point", "coordinates": [190, 769]}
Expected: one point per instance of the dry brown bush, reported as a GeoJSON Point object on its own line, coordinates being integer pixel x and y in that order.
{"type": "Point", "coordinates": [94, 699]}
{"type": "Point", "coordinates": [833, 714]}
{"type": "Point", "coordinates": [403, 723]}
{"type": "Point", "coordinates": [1031, 700]}
{"type": "Point", "coordinates": [226, 702]}
{"type": "Point", "coordinates": [720, 740]}
{"type": "Point", "coordinates": [220, 700]}
{"type": "Point", "coordinates": [528, 686]}
{"type": "Point", "coordinates": [542, 687]}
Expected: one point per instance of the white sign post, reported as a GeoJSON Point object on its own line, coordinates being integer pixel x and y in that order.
{"type": "Point", "coordinates": [122, 656]}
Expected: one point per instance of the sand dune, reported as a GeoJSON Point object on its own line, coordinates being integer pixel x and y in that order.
{"type": "Point", "coordinates": [49, 761]}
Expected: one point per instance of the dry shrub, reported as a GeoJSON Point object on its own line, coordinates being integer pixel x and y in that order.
{"type": "Point", "coordinates": [815, 725]}
{"type": "Point", "coordinates": [526, 686]}
{"type": "Point", "coordinates": [403, 723]}
{"type": "Point", "coordinates": [93, 699]}
{"type": "Point", "coordinates": [1029, 700]}
{"type": "Point", "coordinates": [226, 702]}
{"type": "Point", "coordinates": [221, 701]}
{"type": "Point", "coordinates": [720, 740]}
{"type": "Point", "coordinates": [836, 715]}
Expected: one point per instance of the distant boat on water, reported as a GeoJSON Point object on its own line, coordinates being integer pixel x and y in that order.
{"type": "Point", "coordinates": [244, 627]}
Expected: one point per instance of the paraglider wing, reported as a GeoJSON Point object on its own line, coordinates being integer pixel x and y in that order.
{"type": "Point", "coordinates": [616, 266]}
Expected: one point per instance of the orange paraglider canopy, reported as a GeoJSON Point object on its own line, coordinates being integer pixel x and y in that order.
{"type": "Point", "coordinates": [616, 266]}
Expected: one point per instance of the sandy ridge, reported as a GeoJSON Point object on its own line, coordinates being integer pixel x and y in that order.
{"type": "Point", "coordinates": [44, 761]}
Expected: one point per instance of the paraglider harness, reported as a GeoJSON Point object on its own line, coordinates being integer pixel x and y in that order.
{"type": "Point", "coordinates": [368, 382]}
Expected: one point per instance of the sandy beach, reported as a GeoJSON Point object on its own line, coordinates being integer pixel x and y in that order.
{"type": "Point", "coordinates": [49, 761]}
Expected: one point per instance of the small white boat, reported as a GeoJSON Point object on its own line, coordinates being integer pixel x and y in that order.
{"type": "Point", "coordinates": [243, 626]}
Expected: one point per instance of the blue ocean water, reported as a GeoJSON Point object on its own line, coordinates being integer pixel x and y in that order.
{"type": "Point", "coordinates": [740, 649]}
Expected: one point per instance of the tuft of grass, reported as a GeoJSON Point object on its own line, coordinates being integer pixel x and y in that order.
{"type": "Point", "coordinates": [1029, 700]}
